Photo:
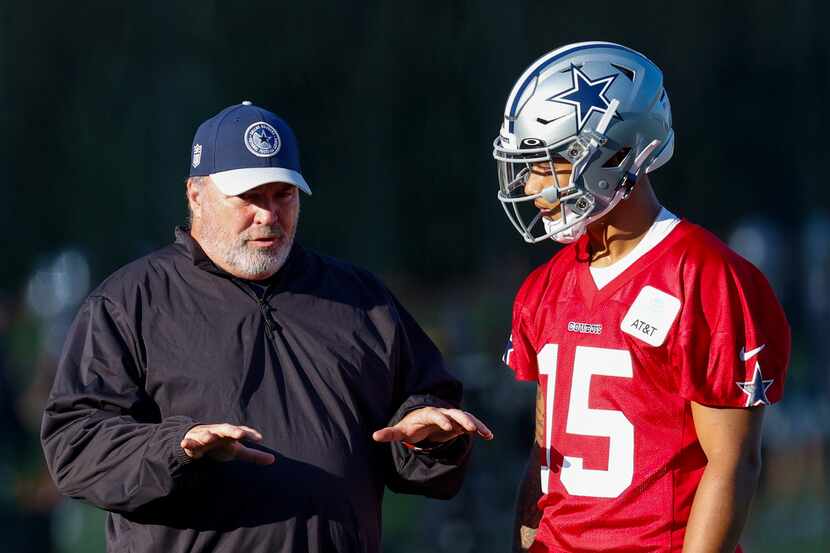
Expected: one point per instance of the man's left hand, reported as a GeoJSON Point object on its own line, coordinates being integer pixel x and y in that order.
{"type": "Point", "coordinates": [434, 424]}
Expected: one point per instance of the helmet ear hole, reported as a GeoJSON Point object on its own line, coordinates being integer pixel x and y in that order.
{"type": "Point", "coordinates": [618, 158]}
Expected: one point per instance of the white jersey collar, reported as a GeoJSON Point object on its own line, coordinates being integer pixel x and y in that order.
{"type": "Point", "coordinates": [662, 226]}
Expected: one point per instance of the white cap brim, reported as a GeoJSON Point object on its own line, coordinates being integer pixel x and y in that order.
{"type": "Point", "coordinates": [238, 181]}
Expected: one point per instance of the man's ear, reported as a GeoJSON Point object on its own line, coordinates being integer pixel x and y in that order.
{"type": "Point", "coordinates": [195, 190]}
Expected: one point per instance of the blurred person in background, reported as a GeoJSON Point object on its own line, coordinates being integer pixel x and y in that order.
{"type": "Point", "coordinates": [27, 501]}
{"type": "Point", "coordinates": [221, 393]}
{"type": "Point", "coordinates": [655, 347]}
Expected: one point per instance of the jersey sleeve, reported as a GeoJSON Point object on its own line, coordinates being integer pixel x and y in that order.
{"type": "Point", "coordinates": [519, 353]}
{"type": "Point", "coordinates": [734, 340]}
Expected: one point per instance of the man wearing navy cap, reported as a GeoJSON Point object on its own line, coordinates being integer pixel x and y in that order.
{"type": "Point", "coordinates": [236, 392]}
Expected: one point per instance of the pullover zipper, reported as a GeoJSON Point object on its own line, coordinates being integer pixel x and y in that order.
{"type": "Point", "coordinates": [263, 307]}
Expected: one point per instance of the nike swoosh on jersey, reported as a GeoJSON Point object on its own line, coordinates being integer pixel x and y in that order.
{"type": "Point", "coordinates": [746, 356]}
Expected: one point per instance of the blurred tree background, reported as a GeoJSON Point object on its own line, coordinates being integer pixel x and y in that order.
{"type": "Point", "coordinates": [396, 105]}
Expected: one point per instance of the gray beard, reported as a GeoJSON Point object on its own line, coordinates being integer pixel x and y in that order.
{"type": "Point", "coordinates": [257, 263]}
{"type": "Point", "coordinates": [252, 263]}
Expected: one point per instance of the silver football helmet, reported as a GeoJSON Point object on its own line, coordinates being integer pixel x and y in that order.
{"type": "Point", "coordinates": [598, 105]}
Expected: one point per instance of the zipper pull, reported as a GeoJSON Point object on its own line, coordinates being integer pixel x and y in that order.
{"type": "Point", "coordinates": [269, 324]}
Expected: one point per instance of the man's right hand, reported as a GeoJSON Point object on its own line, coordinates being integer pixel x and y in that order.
{"type": "Point", "coordinates": [222, 442]}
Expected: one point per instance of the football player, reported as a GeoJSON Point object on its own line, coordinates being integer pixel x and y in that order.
{"type": "Point", "coordinates": [654, 346]}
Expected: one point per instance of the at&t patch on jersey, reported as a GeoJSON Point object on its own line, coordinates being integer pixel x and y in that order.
{"type": "Point", "coordinates": [651, 316]}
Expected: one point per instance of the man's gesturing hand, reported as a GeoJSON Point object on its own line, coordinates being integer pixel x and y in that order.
{"type": "Point", "coordinates": [222, 442]}
{"type": "Point", "coordinates": [433, 424]}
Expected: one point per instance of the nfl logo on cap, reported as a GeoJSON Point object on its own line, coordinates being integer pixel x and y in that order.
{"type": "Point", "coordinates": [245, 146]}
{"type": "Point", "coordinates": [197, 154]}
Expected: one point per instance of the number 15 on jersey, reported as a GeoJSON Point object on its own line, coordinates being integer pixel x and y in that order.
{"type": "Point", "coordinates": [584, 421]}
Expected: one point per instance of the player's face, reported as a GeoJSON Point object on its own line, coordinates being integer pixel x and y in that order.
{"type": "Point", "coordinates": [251, 233]}
{"type": "Point", "coordinates": [545, 174]}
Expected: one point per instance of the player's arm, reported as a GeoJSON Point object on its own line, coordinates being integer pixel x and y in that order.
{"type": "Point", "coordinates": [731, 440]}
{"type": "Point", "coordinates": [530, 489]}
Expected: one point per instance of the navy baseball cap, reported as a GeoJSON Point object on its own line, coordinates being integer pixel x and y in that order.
{"type": "Point", "coordinates": [244, 146]}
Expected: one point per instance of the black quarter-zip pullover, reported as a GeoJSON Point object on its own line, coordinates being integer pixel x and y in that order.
{"type": "Point", "coordinates": [316, 360]}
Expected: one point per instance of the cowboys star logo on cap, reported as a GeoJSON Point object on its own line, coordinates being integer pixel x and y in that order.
{"type": "Point", "coordinates": [262, 139]}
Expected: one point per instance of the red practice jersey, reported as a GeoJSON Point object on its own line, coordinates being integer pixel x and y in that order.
{"type": "Point", "coordinates": [619, 367]}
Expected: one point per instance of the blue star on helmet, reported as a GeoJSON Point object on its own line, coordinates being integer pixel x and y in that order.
{"type": "Point", "coordinates": [756, 389]}
{"type": "Point", "coordinates": [586, 95]}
